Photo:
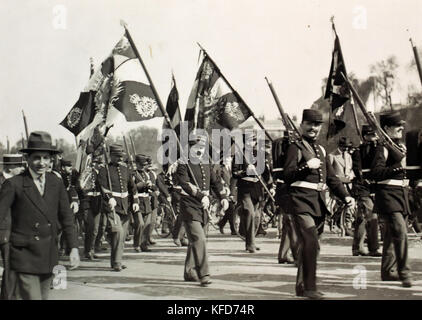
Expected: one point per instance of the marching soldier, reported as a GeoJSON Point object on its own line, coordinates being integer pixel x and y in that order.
{"type": "Point", "coordinates": [154, 193]}
{"type": "Point", "coordinates": [309, 174]}
{"type": "Point", "coordinates": [143, 216]}
{"type": "Point", "coordinates": [250, 193]}
{"type": "Point", "coordinates": [69, 177]}
{"type": "Point", "coordinates": [392, 200]}
{"type": "Point", "coordinates": [91, 206]}
{"type": "Point", "coordinates": [341, 161]}
{"type": "Point", "coordinates": [194, 204]}
{"type": "Point", "coordinates": [38, 203]}
{"type": "Point", "coordinates": [366, 222]}
{"type": "Point", "coordinates": [118, 191]}
{"type": "Point", "coordinates": [12, 165]}
{"type": "Point", "coordinates": [288, 237]}
{"type": "Point", "coordinates": [231, 190]}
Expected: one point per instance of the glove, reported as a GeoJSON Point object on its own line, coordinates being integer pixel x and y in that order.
{"type": "Point", "coordinates": [74, 206]}
{"type": "Point", "coordinates": [135, 207]}
{"type": "Point", "coordinates": [272, 191]}
{"type": "Point", "coordinates": [225, 204]}
{"type": "Point", "coordinates": [205, 202]}
{"type": "Point", "coordinates": [168, 199]}
{"type": "Point", "coordinates": [227, 191]}
{"type": "Point", "coordinates": [350, 202]}
{"type": "Point", "coordinates": [314, 163]}
{"type": "Point", "coordinates": [251, 170]}
{"type": "Point", "coordinates": [112, 203]}
{"type": "Point", "coordinates": [149, 183]}
{"type": "Point", "coordinates": [157, 193]}
{"type": "Point", "coordinates": [74, 258]}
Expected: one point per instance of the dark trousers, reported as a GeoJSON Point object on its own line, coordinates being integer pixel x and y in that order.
{"type": "Point", "coordinates": [92, 226]}
{"type": "Point", "coordinates": [288, 239]}
{"type": "Point", "coordinates": [153, 223]}
{"type": "Point", "coordinates": [101, 231]}
{"type": "Point", "coordinates": [228, 216]}
{"type": "Point", "coordinates": [147, 229]}
{"type": "Point", "coordinates": [249, 210]}
{"type": "Point", "coordinates": [33, 286]}
{"type": "Point", "coordinates": [138, 227]}
{"type": "Point", "coordinates": [118, 235]}
{"type": "Point", "coordinates": [395, 248]}
{"type": "Point", "coordinates": [366, 223]}
{"type": "Point", "coordinates": [307, 250]}
{"type": "Point", "coordinates": [179, 230]}
{"type": "Point", "coordinates": [8, 282]}
{"type": "Point", "coordinates": [196, 262]}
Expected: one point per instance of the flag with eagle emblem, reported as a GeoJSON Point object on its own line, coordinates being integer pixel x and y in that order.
{"type": "Point", "coordinates": [212, 103]}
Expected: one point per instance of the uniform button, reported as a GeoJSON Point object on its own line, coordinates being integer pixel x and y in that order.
{"type": "Point", "coordinates": [37, 238]}
{"type": "Point", "coordinates": [49, 224]}
{"type": "Point", "coordinates": [37, 225]}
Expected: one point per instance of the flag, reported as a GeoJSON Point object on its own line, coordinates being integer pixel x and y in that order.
{"type": "Point", "coordinates": [337, 91]}
{"type": "Point", "coordinates": [173, 111]}
{"type": "Point", "coordinates": [172, 108]}
{"type": "Point", "coordinates": [212, 103]}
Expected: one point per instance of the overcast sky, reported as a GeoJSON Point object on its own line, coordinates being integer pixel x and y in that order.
{"type": "Point", "coordinates": [45, 54]}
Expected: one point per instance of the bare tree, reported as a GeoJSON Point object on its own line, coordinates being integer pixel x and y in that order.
{"type": "Point", "coordinates": [385, 73]}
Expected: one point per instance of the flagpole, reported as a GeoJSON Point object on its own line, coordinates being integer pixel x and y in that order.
{"type": "Point", "coordinates": [7, 144]}
{"type": "Point", "coordinates": [22, 141]}
{"type": "Point", "coordinates": [417, 61]}
{"type": "Point", "coordinates": [26, 125]}
{"type": "Point", "coordinates": [355, 117]}
{"type": "Point", "coordinates": [237, 94]}
{"type": "Point", "coordinates": [154, 91]}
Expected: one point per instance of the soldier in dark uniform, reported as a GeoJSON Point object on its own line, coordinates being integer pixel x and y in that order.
{"type": "Point", "coordinates": [144, 214]}
{"type": "Point", "coordinates": [119, 196]}
{"type": "Point", "coordinates": [288, 237]}
{"type": "Point", "coordinates": [194, 204]}
{"type": "Point", "coordinates": [90, 193]}
{"type": "Point", "coordinates": [230, 183]}
{"type": "Point", "coordinates": [69, 177]}
{"type": "Point", "coordinates": [250, 192]}
{"type": "Point", "coordinates": [12, 165]}
{"type": "Point", "coordinates": [392, 199]}
{"type": "Point", "coordinates": [154, 193]}
{"type": "Point", "coordinates": [309, 174]}
{"type": "Point", "coordinates": [38, 204]}
{"type": "Point", "coordinates": [366, 222]}
{"type": "Point", "coordinates": [145, 189]}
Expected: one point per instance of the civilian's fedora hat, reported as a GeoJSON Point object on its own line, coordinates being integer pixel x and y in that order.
{"type": "Point", "coordinates": [12, 159]}
{"type": "Point", "coordinates": [40, 141]}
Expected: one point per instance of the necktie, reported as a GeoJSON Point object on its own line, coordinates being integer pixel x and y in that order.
{"type": "Point", "coordinates": [41, 185]}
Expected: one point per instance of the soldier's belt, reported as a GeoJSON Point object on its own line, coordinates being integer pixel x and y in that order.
{"type": "Point", "coordinates": [419, 184]}
{"type": "Point", "coordinates": [204, 192]}
{"type": "Point", "coordinates": [93, 193]}
{"type": "Point", "coordinates": [116, 194]}
{"type": "Point", "coordinates": [142, 195]}
{"type": "Point", "coordinates": [278, 169]}
{"type": "Point", "coordinates": [413, 167]}
{"type": "Point", "coordinates": [395, 182]}
{"type": "Point", "coordinates": [310, 185]}
{"type": "Point", "coordinates": [366, 170]}
{"type": "Point", "coordinates": [279, 181]}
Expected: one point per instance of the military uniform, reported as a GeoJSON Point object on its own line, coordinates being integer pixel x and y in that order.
{"type": "Point", "coordinates": [230, 183]}
{"type": "Point", "coordinates": [123, 191]}
{"type": "Point", "coordinates": [195, 217]}
{"type": "Point", "coordinates": [288, 237]}
{"type": "Point", "coordinates": [307, 188]}
{"type": "Point", "coordinates": [154, 193]}
{"type": "Point", "coordinates": [392, 200]}
{"type": "Point", "coordinates": [141, 218]}
{"type": "Point", "coordinates": [91, 206]}
{"type": "Point", "coordinates": [364, 190]}
{"type": "Point", "coordinates": [250, 196]}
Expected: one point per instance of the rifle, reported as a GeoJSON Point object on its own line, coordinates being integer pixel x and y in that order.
{"type": "Point", "coordinates": [132, 170]}
{"type": "Point", "coordinates": [384, 139]}
{"type": "Point", "coordinates": [293, 132]}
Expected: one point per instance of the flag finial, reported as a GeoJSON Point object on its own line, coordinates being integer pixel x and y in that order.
{"type": "Point", "coordinates": [123, 23]}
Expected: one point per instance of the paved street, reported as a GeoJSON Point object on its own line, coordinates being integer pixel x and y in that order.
{"type": "Point", "coordinates": [237, 274]}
